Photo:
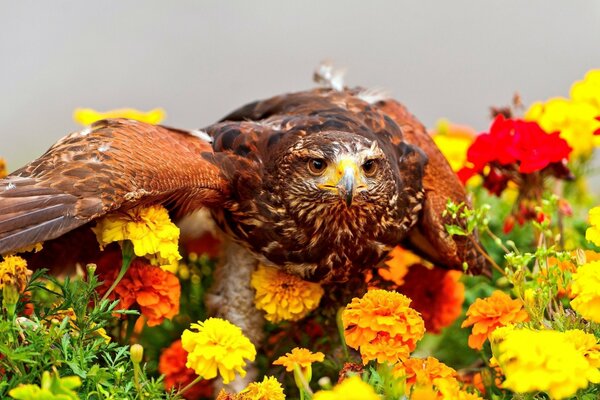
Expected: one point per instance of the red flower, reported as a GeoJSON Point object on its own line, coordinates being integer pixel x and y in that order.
{"type": "Point", "coordinates": [436, 293]}
{"type": "Point", "coordinates": [177, 375]}
{"type": "Point", "coordinates": [514, 141]}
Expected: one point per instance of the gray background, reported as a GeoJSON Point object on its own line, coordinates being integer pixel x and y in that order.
{"type": "Point", "coordinates": [199, 60]}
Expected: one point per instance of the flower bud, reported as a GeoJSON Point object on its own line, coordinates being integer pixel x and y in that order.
{"type": "Point", "coordinates": [137, 353]}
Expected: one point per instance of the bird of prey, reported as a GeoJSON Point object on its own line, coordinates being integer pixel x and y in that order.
{"type": "Point", "coordinates": [320, 183]}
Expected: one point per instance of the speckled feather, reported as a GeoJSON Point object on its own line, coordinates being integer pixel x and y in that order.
{"type": "Point", "coordinates": [253, 178]}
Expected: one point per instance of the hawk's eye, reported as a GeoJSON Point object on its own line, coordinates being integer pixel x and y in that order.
{"type": "Point", "coordinates": [370, 167]}
{"type": "Point", "coordinates": [317, 166]}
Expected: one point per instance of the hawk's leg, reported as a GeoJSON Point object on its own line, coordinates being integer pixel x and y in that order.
{"type": "Point", "coordinates": [232, 298]}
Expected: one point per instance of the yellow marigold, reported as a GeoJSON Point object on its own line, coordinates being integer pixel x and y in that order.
{"type": "Point", "coordinates": [453, 141]}
{"type": "Point", "coordinates": [14, 272]}
{"type": "Point", "coordinates": [586, 344]}
{"type": "Point", "coordinates": [575, 120]}
{"type": "Point", "coordinates": [284, 297]}
{"type": "Point", "coordinates": [592, 234]}
{"type": "Point", "coordinates": [543, 361]}
{"type": "Point", "coordinates": [299, 356]}
{"type": "Point", "coordinates": [449, 389]}
{"type": "Point", "coordinates": [87, 116]}
{"type": "Point", "coordinates": [588, 90]}
{"type": "Point", "coordinates": [352, 388]}
{"type": "Point", "coordinates": [488, 314]}
{"type": "Point", "coordinates": [445, 390]}
{"type": "Point", "coordinates": [149, 229]}
{"type": "Point", "coordinates": [585, 289]}
{"type": "Point", "coordinates": [268, 389]}
{"type": "Point", "coordinates": [397, 265]}
{"type": "Point", "coordinates": [424, 372]}
{"type": "Point", "coordinates": [217, 346]}
{"type": "Point", "coordinates": [382, 326]}
{"type": "Point", "coordinates": [3, 171]}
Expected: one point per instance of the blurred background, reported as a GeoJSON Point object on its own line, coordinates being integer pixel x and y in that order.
{"type": "Point", "coordinates": [201, 59]}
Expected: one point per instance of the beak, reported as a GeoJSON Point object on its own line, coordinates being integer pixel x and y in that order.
{"type": "Point", "coordinates": [346, 185]}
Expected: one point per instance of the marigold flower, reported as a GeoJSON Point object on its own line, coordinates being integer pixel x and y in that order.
{"type": "Point", "coordinates": [450, 390]}
{"type": "Point", "coordinates": [488, 314]}
{"type": "Point", "coordinates": [453, 141]}
{"type": "Point", "coordinates": [172, 365]}
{"type": "Point", "coordinates": [423, 372]}
{"type": "Point", "coordinates": [585, 289]}
{"type": "Point", "coordinates": [573, 119]}
{"type": "Point", "coordinates": [588, 90]}
{"type": "Point", "coordinates": [87, 116]}
{"type": "Point", "coordinates": [543, 361]}
{"type": "Point", "coordinates": [14, 272]}
{"type": "Point", "coordinates": [284, 297]}
{"type": "Point", "coordinates": [435, 293]}
{"type": "Point", "coordinates": [154, 291]}
{"type": "Point", "coordinates": [397, 265]}
{"type": "Point", "coordinates": [3, 171]}
{"type": "Point", "coordinates": [586, 344]}
{"type": "Point", "coordinates": [382, 326]}
{"type": "Point", "coordinates": [352, 388]}
{"type": "Point", "coordinates": [268, 389]}
{"type": "Point", "coordinates": [299, 356]}
{"type": "Point", "coordinates": [149, 229]}
{"type": "Point", "coordinates": [592, 234]}
{"type": "Point", "coordinates": [215, 346]}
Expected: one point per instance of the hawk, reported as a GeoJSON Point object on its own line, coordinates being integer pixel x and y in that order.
{"type": "Point", "coordinates": [321, 183]}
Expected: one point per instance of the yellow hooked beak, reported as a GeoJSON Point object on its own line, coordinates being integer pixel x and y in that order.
{"type": "Point", "coordinates": [343, 178]}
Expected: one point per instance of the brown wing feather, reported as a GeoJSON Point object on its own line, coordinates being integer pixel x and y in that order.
{"type": "Point", "coordinates": [111, 165]}
{"type": "Point", "coordinates": [429, 237]}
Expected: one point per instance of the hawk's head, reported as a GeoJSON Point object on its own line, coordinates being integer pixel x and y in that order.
{"type": "Point", "coordinates": [347, 196]}
{"type": "Point", "coordinates": [337, 170]}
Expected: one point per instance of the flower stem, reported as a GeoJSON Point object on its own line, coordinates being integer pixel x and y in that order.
{"type": "Point", "coordinates": [189, 386]}
{"type": "Point", "coordinates": [128, 255]}
{"type": "Point", "coordinates": [136, 379]}
{"type": "Point", "coordinates": [340, 326]}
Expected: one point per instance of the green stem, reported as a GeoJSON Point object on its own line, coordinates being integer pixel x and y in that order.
{"type": "Point", "coordinates": [189, 386]}
{"type": "Point", "coordinates": [136, 379]}
{"type": "Point", "coordinates": [128, 255]}
{"type": "Point", "coordinates": [340, 326]}
{"type": "Point", "coordinates": [301, 382]}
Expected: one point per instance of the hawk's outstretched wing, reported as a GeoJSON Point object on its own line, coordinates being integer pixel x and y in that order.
{"type": "Point", "coordinates": [114, 164]}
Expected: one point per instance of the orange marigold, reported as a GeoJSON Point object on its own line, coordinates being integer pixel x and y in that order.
{"type": "Point", "coordinates": [488, 314]}
{"type": "Point", "coordinates": [299, 356]}
{"type": "Point", "coordinates": [382, 326]}
{"type": "Point", "coordinates": [436, 293]}
{"type": "Point", "coordinates": [156, 292]}
{"type": "Point", "coordinates": [424, 372]}
{"type": "Point", "coordinates": [3, 171]}
{"type": "Point", "coordinates": [397, 265]}
{"type": "Point", "coordinates": [172, 365]}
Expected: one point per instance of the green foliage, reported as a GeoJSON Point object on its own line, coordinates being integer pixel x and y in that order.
{"type": "Point", "coordinates": [66, 335]}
